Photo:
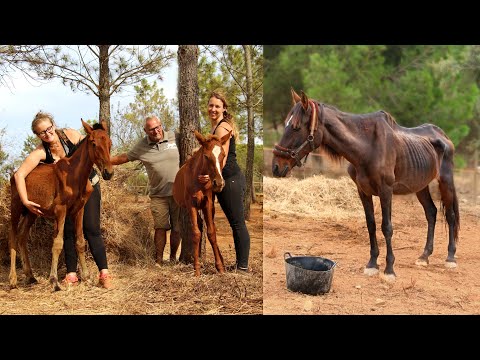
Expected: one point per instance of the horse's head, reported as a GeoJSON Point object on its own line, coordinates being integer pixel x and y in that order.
{"type": "Point", "coordinates": [300, 136]}
{"type": "Point", "coordinates": [99, 145]}
{"type": "Point", "coordinates": [213, 154]}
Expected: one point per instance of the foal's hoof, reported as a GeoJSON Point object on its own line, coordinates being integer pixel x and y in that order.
{"type": "Point", "coordinates": [450, 264]}
{"type": "Point", "coordinates": [370, 271]}
{"type": "Point", "coordinates": [389, 278]}
{"type": "Point", "coordinates": [421, 262]}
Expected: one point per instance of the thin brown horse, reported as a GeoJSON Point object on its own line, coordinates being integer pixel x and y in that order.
{"type": "Point", "coordinates": [189, 193]}
{"type": "Point", "coordinates": [385, 159]}
{"type": "Point", "coordinates": [60, 189]}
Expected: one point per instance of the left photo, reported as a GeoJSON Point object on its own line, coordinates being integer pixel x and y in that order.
{"type": "Point", "coordinates": [131, 179]}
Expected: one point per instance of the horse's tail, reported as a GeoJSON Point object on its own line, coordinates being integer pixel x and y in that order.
{"type": "Point", "coordinates": [449, 204]}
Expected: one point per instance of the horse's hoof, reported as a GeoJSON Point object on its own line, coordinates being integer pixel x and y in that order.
{"type": "Point", "coordinates": [370, 271]}
{"type": "Point", "coordinates": [56, 287]}
{"type": "Point", "coordinates": [421, 262]}
{"type": "Point", "coordinates": [389, 278]}
{"type": "Point", "coordinates": [13, 287]}
{"type": "Point", "coordinates": [450, 264]}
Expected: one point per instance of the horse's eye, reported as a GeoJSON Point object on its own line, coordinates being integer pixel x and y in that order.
{"type": "Point", "coordinates": [296, 129]}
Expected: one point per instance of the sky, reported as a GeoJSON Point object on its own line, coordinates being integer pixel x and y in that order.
{"type": "Point", "coordinates": [20, 103]}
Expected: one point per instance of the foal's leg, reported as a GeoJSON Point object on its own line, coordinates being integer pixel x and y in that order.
{"type": "Point", "coordinates": [80, 243]}
{"type": "Point", "coordinates": [212, 236]}
{"type": "Point", "coordinates": [196, 234]}
{"type": "Point", "coordinates": [431, 214]}
{"type": "Point", "coordinates": [386, 193]}
{"type": "Point", "coordinates": [24, 227]}
{"type": "Point", "coordinates": [57, 245]}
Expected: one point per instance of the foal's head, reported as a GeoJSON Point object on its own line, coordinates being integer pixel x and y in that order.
{"type": "Point", "coordinates": [99, 145]}
{"type": "Point", "coordinates": [298, 138]}
{"type": "Point", "coordinates": [213, 154]}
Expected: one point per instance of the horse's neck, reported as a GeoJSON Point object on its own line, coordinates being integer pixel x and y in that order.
{"type": "Point", "coordinates": [340, 133]}
{"type": "Point", "coordinates": [80, 162]}
{"type": "Point", "coordinates": [198, 166]}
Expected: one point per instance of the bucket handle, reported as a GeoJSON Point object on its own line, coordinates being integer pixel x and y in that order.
{"type": "Point", "coordinates": [287, 254]}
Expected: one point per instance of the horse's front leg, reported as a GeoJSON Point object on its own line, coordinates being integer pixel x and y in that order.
{"type": "Point", "coordinates": [60, 214]}
{"type": "Point", "coordinates": [196, 235]}
{"type": "Point", "coordinates": [208, 213]}
{"type": "Point", "coordinates": [80, 242]}
{"type": "Point", "coordinates": [372, 267]}
{"type": "Point", "coordinates": [431, 214]}
{"type": "Point", "coordinates": [386, 193]}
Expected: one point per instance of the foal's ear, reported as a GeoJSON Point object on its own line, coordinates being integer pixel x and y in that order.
{"type": "Point", "coordinates": [225, 137]}
{"type": "Point", "coordinates": [304, 100]}
{"type": "Point", "coordinates": [200, 137]}
{"type": "Point", "coordinates": [295, 96]}
{"type": "Point", "coordinates": [86, 126]}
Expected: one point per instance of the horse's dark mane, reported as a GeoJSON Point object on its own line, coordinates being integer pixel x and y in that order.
{"type": "Point", "coordinates": [332, 154]}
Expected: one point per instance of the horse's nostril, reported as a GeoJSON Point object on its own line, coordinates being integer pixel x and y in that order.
{"type": "Point", "coordinates": [275, 170]}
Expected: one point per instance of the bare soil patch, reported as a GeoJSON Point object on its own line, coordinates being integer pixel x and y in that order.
{"type": "Point", "coordinates": [335, 228]}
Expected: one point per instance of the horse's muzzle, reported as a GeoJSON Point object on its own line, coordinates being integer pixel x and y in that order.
{"type": "Point", "coordinates": [106, 175]}
{"type": "Point", "coordinates": [277, 173]}
{"type": "Point", "coordinates": [218, 186]}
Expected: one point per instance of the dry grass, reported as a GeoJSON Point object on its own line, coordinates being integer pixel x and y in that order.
{"type": "Point", "coordinates": [316, 197]}
{"type": "Point", "coordinates": [140, 287]}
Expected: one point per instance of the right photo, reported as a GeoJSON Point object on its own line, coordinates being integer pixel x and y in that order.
{"type": "Point", "coordinates": [371, 179]}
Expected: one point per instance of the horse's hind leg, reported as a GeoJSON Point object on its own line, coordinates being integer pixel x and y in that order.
{"type": "Point", "coordinates": [24, 227]}
{"type": "Point", "coordinates": [212, 237]}
{"type": "Point", "coordinates": [450, 207]}
{"type": "Point", "coordinates": [431, 214]}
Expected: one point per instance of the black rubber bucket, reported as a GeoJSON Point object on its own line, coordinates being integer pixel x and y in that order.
{"type": "Point", "coordinates": [311, 275]}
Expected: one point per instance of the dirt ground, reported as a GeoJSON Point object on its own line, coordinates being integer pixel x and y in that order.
{"type": "Point", "coordinates": [171, 289]}
{"type": "Point", "coordinates": [431, 290]}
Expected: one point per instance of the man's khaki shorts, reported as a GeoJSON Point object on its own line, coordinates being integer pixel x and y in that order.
{"type": "Point", "coordinates": [165, 212]}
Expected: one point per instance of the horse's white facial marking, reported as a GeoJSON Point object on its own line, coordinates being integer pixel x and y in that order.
{"type": "Point", "coordinates": [216, 152]}
{"type": "Point", "coordinates": [289, 121]}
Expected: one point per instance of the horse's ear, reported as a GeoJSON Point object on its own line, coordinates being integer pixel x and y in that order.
{"type": "Point", "coordinates": [304, 100]}
{"type": "Point", "coordinates": [295, 96]}
{"type": "Point", "coordinates": [225, 137]}
{"type": "Point", "coordinates": [86, 126]}
{"type": "Point", "coordinates": [200, 137]}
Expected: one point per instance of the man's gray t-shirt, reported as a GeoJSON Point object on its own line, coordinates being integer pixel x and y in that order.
{"type": "Point", "coordinates": [161, 161]}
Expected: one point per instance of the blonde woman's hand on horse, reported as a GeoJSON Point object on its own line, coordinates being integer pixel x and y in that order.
{"type": "Point", "coordinates": [203, 179]}
{"type": "Point", "coordinates": [33, 207]}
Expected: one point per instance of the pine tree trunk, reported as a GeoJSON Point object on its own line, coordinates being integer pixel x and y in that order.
{"type": "Point", "coordinates": [104, 85]}
{"type": "Point", "coordinates": [251, 134]}
{"type": "Point", "coordinates": [189, 121]}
